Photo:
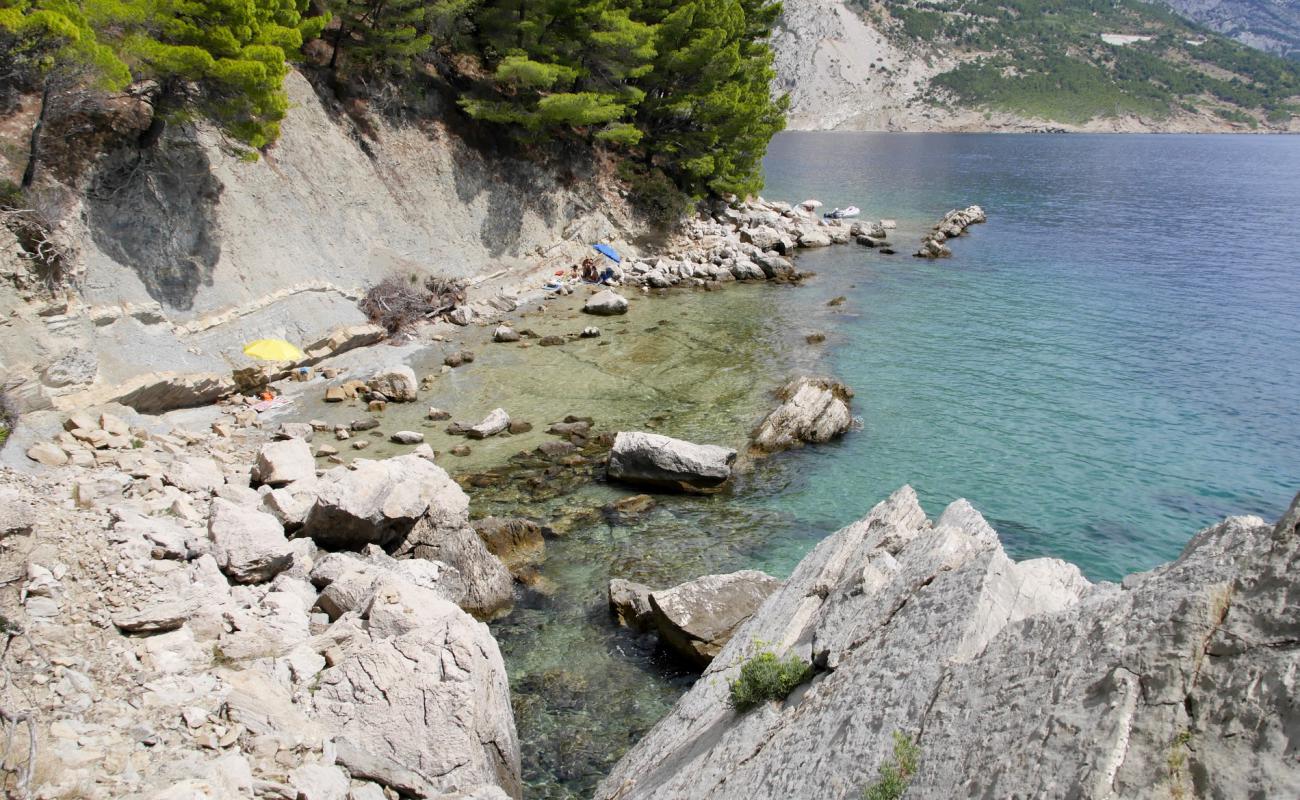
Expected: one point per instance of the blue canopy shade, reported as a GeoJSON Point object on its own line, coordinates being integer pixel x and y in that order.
{"type": "Point", "coordinates": [608, 252]}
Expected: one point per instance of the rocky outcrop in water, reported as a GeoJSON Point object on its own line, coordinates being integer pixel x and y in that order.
{"type": "Point", "coordinates": [1012, 678]}
{"type": "Point", "coordinates": [812, 410]}
{"type": "Point", "coordinates": [654, 460]}
{"type": "Point", "coordinates": [953, 224]}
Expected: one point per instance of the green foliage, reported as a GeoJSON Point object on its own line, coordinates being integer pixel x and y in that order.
{"type": "Point", "coordinates": [895, 776]}
{"type": "Point", "coordinates": [683, 84]}
{"type": "Point", "coordinates": [39, 38]}
{"type": "Point", "coordinates": [235, 50]}
{"type": "Point", "coordinates": [679, 87]}
{"type": "Point", "coordinates": [383, 36]}
{"type": "Point", "coordinates": [1046, 58]}
{"type": "Point", "coordinates": [765, 677]}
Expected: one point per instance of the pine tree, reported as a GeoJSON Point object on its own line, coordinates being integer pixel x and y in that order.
{"type": "Point", "coordinates": [52, 47]}
{"type": "Point", "coordinates": [708, 113]}
{"type": "Point", "coordinates": [381, 36]}
{"type": "Point", "coordinates": [562, 63]}
{"type": "Point", "coordinates": [235, 52]}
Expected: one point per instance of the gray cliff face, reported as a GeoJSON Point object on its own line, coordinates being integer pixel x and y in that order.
{"type": "Point", "coordinates": [1272, 25]}
{"type": "Point", "coordinates": [1015, 679]}
{"type": "Point", "coordinates": [184, 252]}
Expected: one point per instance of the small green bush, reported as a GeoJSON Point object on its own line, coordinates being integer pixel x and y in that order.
{"type": "Point", "coordinates": [895, 777]}
{"type": "Point", "coordinates": [766, 677]}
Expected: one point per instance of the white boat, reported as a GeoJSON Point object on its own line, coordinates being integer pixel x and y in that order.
{"type": "Point", "coordinates": [842, 213]}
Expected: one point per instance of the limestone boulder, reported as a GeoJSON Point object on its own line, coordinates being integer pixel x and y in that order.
{"type": "Point", "coordinates": [495, 422]}
{"type": "Point", "coordinates": [815, 238]}
{"type": "Point", "coordinates": [284, 462]}
{"type": "Point", "coordinates": [396, 383]}
{"type": "Point", "coordinates": [661, 461]}
{"type": "Point", "coordinates": [926, 629]}
{"type": "Point", "coordinates": [379, 502]}
{"type": "Point", "coordinates": [420, 702]}
{"type": "Point", "coordinates": [606, 303]}
{"type": "Point", "coordinates": [629, 602]}
{"type": "Point", "coordinates": [697, 618]}
{"type": "Point", "coordinates": [812, 409]}
{"type": "Point", "coordinates": [249, 546]}
{"type": "Point", "coordinates": [409, 507]}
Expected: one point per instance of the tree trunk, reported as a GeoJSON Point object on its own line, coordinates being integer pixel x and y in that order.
{"type": "Point", "coordinates": [34, 143]}
{"type": "Point", "coordinates": [338, 45]}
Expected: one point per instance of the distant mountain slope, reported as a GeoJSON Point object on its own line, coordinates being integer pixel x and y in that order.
{"type": "Point", "coordinates": [1272, 25]}
{"type": "Point", "coordinates": [1023, 65]}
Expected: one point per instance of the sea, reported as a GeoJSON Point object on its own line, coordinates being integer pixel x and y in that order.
{"type": "Point", "coordinates": [1108, 365]}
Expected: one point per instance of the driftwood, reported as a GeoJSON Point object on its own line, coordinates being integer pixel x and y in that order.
{"type": "Point", "coordinates": [396, 303]}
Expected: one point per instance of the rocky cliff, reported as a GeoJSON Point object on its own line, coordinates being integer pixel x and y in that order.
{"type": "Point", "coordinates": [866, 65]}
{"type": "Point", "coordinates": [1272, 25]}
{"type": "Point", "coordinates": [1013, 679]}
{"type": "Point", "coordinates": [182, 252]}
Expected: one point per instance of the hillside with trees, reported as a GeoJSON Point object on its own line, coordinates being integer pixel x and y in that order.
{"type": "Point", "coordinates": [1076, 60]}
{"type": "Point", "coordinates": [677, 90]}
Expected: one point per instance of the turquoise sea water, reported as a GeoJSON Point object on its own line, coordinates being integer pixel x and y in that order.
{"type": "Point", "coordinates": [1109, 364]}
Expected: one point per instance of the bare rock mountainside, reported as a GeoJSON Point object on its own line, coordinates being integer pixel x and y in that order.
{"type": "Point", "coordinates": [1272, 25]}
{"type": "Point", "coordinates": [179, 254]}
{"type": "Point", "coordinates": [912, 65]}
{"type": "Point", "coordinates": [1012, 679]}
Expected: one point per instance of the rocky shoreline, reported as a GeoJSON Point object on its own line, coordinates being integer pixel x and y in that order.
{"type": "Point", "coordinates": [284, 615]}
{"type": "Point", "coordinates": [248, 609]}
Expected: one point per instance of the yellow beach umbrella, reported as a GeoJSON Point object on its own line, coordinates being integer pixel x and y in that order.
{"type": "Point", "coordinates": [273, 350]}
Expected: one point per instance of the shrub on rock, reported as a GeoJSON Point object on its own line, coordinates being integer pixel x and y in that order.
{"type": "Point", "coordinates": [766, 677]}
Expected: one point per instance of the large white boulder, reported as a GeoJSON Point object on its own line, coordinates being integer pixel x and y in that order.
{"type": "Point", "coordinates": [284, 462]}
{"type": "Point", "coordinates": [655, 460]}
{"type": "Point", "coordinates": [606, 303]}
{"type": "Point", "coordinates": [410, 507]}
{"type": "Point", "coordinates": [420, 701]}
{"type": "Point", "coordinates": [812, 410]}
{"type": "Point", "coordinates": [249, 546]}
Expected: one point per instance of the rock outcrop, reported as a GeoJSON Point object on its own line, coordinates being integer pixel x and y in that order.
{"type": "Point", "coordinates": [953, 224]}
{"type": "Point", "coordinates": [812, 410]}
{"type": "Point", "coordinates": [408, 506]}
{"type": "Point", "coordinates": [654, 460]}
{"type": "Point", "coordinates": [1013, 678]}
{"type": "Point", "coordinates": [419, 700]}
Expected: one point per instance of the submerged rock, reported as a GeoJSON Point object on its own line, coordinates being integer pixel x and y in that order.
{"type": "Point", "coordinates": [1072, 689]}
{"type": "Point", "coordinates": [655, 460]}
{"type": "Point", "coordinates": [812, 410]}
{"type": "Point", "coordinates": [517, 542]}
